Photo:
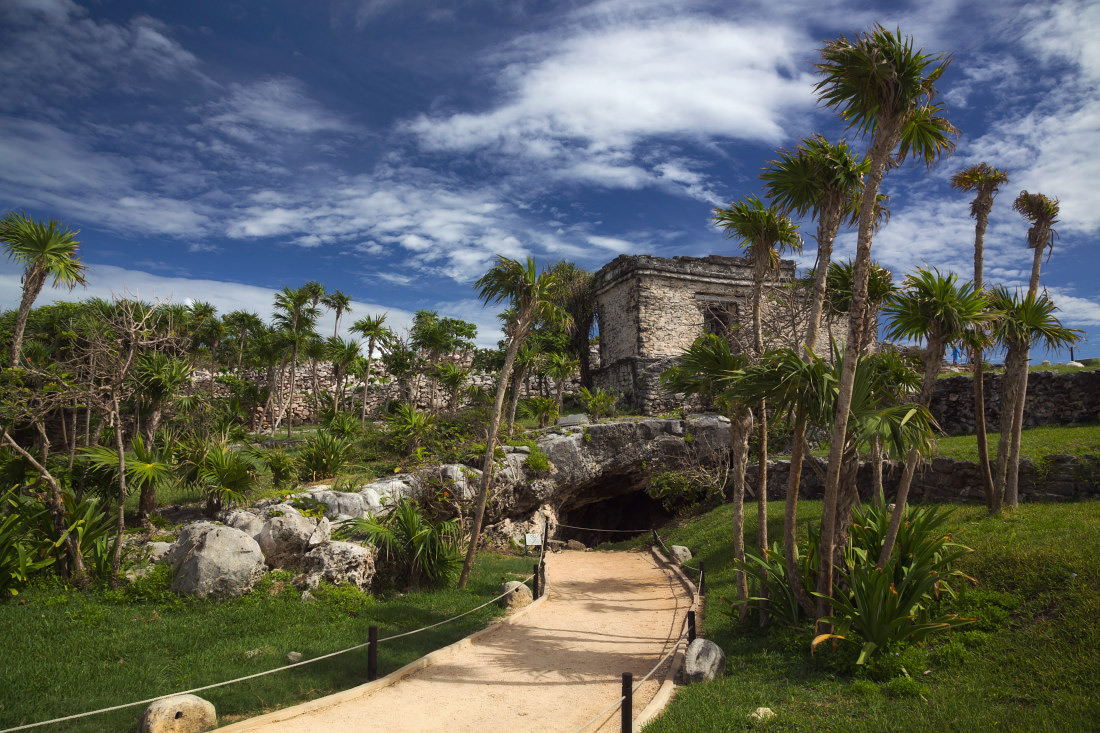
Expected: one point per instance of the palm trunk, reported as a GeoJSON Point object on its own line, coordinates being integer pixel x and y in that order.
{"type": "Point", "coordinates": [740, 429]}
{"type": "Point", "coordinates": [366, 385]}
{"type": "Point", "coordinates": [1010, 382]}
{"type": "Point", "coordinates": [1012, 480]}
{"type": "Point", "coordinates": [1033, 285]}
{"type": "Point", "coordinates": [880, 154]}
{"type": "Point", "coordinates": [876, 472]}
{"type": "Point", "coordinates": [790, 516]}
{"type": "Point", "coordinates": [932, 358]}
{"type": "Point", "coordinates": [32, 285]}
{"type": "Point", "coordinates": [980, 428]}
{"type": "Point", "coordinates": [827, 225]}
{"type": "Point", "coordinates": [517, 380]}
{"type": "Point", "coordinates": [120, 520]}
{"type": "Point", "coordinates": [522, 322]}
{"type": "Point", "coordinates": [762, 431]}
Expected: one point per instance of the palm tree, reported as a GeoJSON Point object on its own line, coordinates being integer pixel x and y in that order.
{"type": "Point", "coordinates": [1042, 212]}
{"type": "Point", "coordinates": [938, 310]}
{"type": "Point", "coordinates": [295, 317]}
{"type": "Point", "coordinates": [343, 354]}
{"type": "Point", "coordinates": [453, 377]}
{"type": "Point", "coordinates": [46, 249]}
{"type": "Point", "coordinates": [824, 180]}
{"type": "Point", "coordinates": [883, 88]}
{"type": "Point", "coordinates": [983, 180]}
{"type": "Point", "coordinates": [560, 368]}
{"type": "Point", "coordinates": [579, 301]}
{"type": "Point", "coordinates": [528, 358]}
{"type": "Point", "coordinates": [764, 234]}
{"type": "Point", "coordinates": [339, 303]}
{"type": "Point", "coordinates": [707, 369]}
{"type": "Point", "coordinates": [534, 297]}
{"type": "Point", "coordinates": [1020, 323]}
{"type": "Point", "coordinates": [371, 328]}
{"type": "Point", "coordinates": [243, 325]}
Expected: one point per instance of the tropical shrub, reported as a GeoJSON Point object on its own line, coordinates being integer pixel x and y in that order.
{"type": "Point", "coordinates": [410, 428]}
{"type": "Point", "coordinates": [343, 425]}
{"type": "Point", "coordinates": [278, 462]}
{"type": "Point", "coordinates": [226, 477]}
{"type": "Point", "coordinates": [323, 455]}
{"type": "Point", "coordinates": [543, 409]}
{"type": "Point", "coordinates": [599, 403]}
{"type": "Point", "coordinates": [537, 461]}
{"type": "Point", "coordinates": [416, 547]}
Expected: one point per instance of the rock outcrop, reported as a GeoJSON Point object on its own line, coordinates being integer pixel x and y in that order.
{"type": "Point", "coordinates": [179, 714]}
{"type": "Point", "coordinates": [215, 561]}
{"type": "Point", "coordinates": [338, 563]}
{"type": "Point", "coordinates": [703, 661]}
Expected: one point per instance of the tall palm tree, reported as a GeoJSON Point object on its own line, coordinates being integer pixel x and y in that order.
{"type": "Point", "coordinates": [764, 234]}
{"type": "Point", "coordinates": [45, 249]}
{"type": "Point", "coordinates": [373, 329]}
{"type": "Point", "coordinates": [1020, 323]}
{"type": "Point", "coordinates": [295, 317]}
{"type": "Point", "coordinates": [938, 310]}
{"type": "Point", "coordinates": [578, 299]}
{"type": "Point", "coordinates": [339, 303]}
{"type": "Point", "coordinates": [560, 368]}
{"type": "Point", "coordinates": [883, 88]}
{"type": "Point", "coordinates": [825, 180]}
{"type": "Point", "coordinates": [343, 355]}
{"type": "Point", "coordinates": [983, 180]}
{"type": "Point", "coordinates": [708, 369]}
{"type": "Point", "coordinates": [534, 295]}
{"type": "Point", "coordinates": [1042, 212]}
{"type": "Point", "coordinates": [243, 325]}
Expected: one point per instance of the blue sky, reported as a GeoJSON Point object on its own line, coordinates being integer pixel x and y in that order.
{"type": "Point", "coordinates": [219, 150]}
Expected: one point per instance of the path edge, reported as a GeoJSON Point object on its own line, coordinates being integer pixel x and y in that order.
{"type": "Point", "coordinates": [667, 689]}
{"type": "Point", "coordinates": [337, 698]}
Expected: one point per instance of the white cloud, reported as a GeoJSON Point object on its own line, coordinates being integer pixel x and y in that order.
{"type": "Point", "coordinates": [280, 105]}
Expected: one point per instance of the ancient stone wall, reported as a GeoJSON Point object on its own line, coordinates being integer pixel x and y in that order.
{"type": "Point", "coordinates": [1052, 399]}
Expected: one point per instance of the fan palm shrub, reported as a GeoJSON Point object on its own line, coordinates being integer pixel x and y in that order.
{"type": "Point", "coordinates": [322, 456]}
{"type": "Point", "coordinates": [226, 477]}
{"type": "Point", "coordinates": [418, 548]}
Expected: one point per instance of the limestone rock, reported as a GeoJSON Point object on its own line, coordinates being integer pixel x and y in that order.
{"type": "Point", "coordinates": [341, 504]}
{"type": "Point", "coordinates": [280, 509]}
{"type": "Point", "coordinates": [761, 715]}
{"type": "Point", "coordinates": [215, 561]}
{"type": "Point", "coordinates": [575, 545]}
{"type": "Point", "coordinates": [247, 522]}
{"type": "Point", "coordinates": [341, 562]}
{"type": "Point", "coordinates": [292, 657]}
{"type": "Point", "coordinates": [680, 554]}
{"type": "Point", "coordinates": [157, 551]}
{"type": "Point", "coordinates": [179, 714]}
{"type": "Point", "coordinates": [519, 595]}
{"type": "Point", "coordinates": [568, 421]}
{"type": "Point", "coordinates": [284, 539]}
{"type": "Point", "coordinates": [1077, 364]}
{"type": "Point", "coordinates": [704, 661]}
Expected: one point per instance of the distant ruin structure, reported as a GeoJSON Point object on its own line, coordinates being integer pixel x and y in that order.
{"type": "Point", "coordinates": [650, 309]}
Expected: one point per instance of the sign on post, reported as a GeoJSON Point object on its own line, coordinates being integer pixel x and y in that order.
{"type": "Point", "coordinates": [531, 539]}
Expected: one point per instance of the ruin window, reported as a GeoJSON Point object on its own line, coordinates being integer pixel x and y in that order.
{"type": "Point", "coordinates": [719, 317]}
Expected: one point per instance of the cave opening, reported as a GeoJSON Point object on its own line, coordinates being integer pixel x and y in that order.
{"type": "Point", "coordinates": [620, 504]}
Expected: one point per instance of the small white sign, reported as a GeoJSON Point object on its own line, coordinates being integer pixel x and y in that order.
{"type": "Point", "coordinates": [533, 539]}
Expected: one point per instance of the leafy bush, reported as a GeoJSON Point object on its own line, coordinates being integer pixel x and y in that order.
{"type": "Point", "coordinates": [344, 600]}
{"type": "Point", "coordinates": [679, 489]}
{"type": "Point", "coordinates": [410, 428]}
{"type": "Point", "coordinates": [279, 462]}
{"type": "Point", "coordinates": [543, 409]}
{"type": "Point", "coordinates": [771, 571]}
{"type": "Point", "coordinates": [416, 546]}
{"type": "Point", "coordinates": [309, 507]}
{"type": "Point", "coordinates": [599, 403]}
{"type": "Point", "coordinates": [322, 456]}
{"type": "Point", "coordinates": [226, 477]}
{"type": "Point", "coordinates": [537, 461]}
{"type": "Point", "coordinates": [343, 425]}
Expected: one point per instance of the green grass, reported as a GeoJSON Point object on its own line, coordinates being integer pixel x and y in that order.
{"type": "Point", "coordinates": [1035, 443]}
{"type": "Point", "coordinates": [1056, 368]}
{"type": "Point", "coordinates": [66, 651]}
{"type": "Point", "coordinates": [1030, 664]}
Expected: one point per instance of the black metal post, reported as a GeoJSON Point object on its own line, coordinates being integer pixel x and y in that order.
{"type": "Point", "coordinates": [702, 579]}
{"type": "Point", "coordinates": [691, 626]}
{"type": "Point", "coordinates": [628, 694]}
{"type": "Point", "coordinates": [536, 582]}
{"type": "Point", "coordinates": [542, 575]}
{"type": "Point", "coordinates": [372, 654]}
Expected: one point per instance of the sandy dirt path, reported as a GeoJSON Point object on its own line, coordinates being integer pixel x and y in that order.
{"type": "Point", "coordinates": [553, 669]}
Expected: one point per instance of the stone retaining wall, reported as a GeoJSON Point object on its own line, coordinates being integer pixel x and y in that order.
{"type": "Point", "coordinates": [1052, 399]}
{"type": "Point", "coordinates": [1056, 478]}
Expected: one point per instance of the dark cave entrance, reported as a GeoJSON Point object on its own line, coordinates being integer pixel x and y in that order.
{"type": "Point", "coordinates": [618, 503]}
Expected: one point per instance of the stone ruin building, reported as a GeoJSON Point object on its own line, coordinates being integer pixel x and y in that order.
{"type": "Point", "coordinates": [650, 309]}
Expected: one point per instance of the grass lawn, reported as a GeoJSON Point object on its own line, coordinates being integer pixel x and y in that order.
{"type": "Point", "coordinates": [1030, 663]}
{"type": "Point", "coordinates": [66, 652]}
{"type": "Point", "coordinates": [999, 369]}
{"type": "Point", "coordinates": [1035, 443]}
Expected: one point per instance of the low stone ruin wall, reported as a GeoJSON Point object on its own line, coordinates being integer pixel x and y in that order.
{"type": "Point", "coordinates": [1052, 399]}
{"type": "Point", "coordinates": [1056, 478]}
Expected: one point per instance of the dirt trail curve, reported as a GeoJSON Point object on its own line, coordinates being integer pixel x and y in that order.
{"type": "Point", "coordinates": [553, 669]}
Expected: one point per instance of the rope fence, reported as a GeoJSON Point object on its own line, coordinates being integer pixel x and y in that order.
{"type": "Point", "coordinates": [372, 643]}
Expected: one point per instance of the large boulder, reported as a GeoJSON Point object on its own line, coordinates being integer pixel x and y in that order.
{"type": "Point", "coordinates": [285, 539]}
{"type": "Point", "coordinates": [214, 561]}
{"type": "Point", "coordinates": [179, 714]}
{"type": "Point", "coordinates": [703, 661]}
{"type": "Point", "coordinates": [246, 521]}
{"type": "Point", "coordinates": [338, 563]}
{"type": "Point", "coordinates": [680, 554]}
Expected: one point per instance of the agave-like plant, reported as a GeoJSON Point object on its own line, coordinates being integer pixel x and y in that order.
{"type": "Point", "coordinates": [410, 427]}
{"type": "Point", "coordinates": [226, 477]}
{"type": "Point", "coordinates": [322, 456]}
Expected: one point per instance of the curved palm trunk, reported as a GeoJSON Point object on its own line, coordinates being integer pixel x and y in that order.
{"type": "Point", "coordinates": [1010, 382]}
{"type": "Point", "coordinates": [827, 226]}
{"type": "Point", "coordinates": [1012, 480]}
{"type": "Point", "coordinates": [740, 429]}
{"type": "Point", "coordinates": [932, 357]}
{"type": "Point", "coordinates": [883, 144]}
{"type": "Point", "coordinates": [981, 222]}
{"type": "Point", "coordinates": [33, 280]}
{"type": "Point", "coordinates": [517, 382]}
{"type": "Point", "coordinates": [1033, 285]}
{"type": "Point", "coordinates": [790, 515]}
{"type": "Point", "coordinates": [366, 384]}
{"type": "Point", "coordinates": [522, 322]}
